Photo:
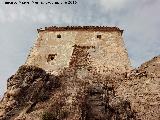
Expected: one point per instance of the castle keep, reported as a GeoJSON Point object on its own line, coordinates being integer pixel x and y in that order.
{"type": "Point", "coordinates": [101, 48]}
{"type": "Point", "coordinates": [82, 73]}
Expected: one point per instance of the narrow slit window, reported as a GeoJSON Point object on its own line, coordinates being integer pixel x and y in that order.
{"type": "Point", "coordinates": [58, 36]}
{"type": "Point", "coordinates": [99, 36]}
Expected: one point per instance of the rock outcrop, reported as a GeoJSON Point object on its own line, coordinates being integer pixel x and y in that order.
{"type": "Point", "coordinates": [142, 89]}
{"type": "Point", "coordinates": [82, 93]}
{"type": "Point", "coordinates": [25, 89]}
{"type": "Point", "coordinates": [32, 94]}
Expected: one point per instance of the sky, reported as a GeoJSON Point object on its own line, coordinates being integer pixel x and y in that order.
{"type": "Point", "coordinates": [139, 19]}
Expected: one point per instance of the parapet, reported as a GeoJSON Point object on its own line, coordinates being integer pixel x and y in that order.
{"type": "Point", "coordinates": [81, 28]}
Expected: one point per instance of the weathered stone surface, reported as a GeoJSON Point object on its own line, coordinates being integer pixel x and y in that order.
{"type": "Point", "coordinates": [142, 88]}
{"type": "Point", "coordinates": [68, 98]}
{"type": "Point", "coordinates": [73, 74]}
{"type": "Point", "coordinates": [20, 96]}
{"type": "Point", "coordinates": [107, 53]}
{"type": "Point", "coordinates": [95, 96]}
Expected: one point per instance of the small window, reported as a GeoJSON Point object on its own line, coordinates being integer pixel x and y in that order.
{"type": "Point", "coordinates": [58, 36]}
{"type": "Point", "coordinates": [99, 36]}
{"type": "Point", "coordinates": [51, 57]}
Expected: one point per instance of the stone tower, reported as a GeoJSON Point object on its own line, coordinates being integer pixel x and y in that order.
{"type": "Point", "coordinates": [61, 47]}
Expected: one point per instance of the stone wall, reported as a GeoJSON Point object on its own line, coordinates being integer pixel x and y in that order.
{"type": "Point", "coordinates": [109, 52]}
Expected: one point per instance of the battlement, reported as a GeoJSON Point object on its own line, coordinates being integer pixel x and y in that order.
{"type": "Point", "coordinates": [81, 28]}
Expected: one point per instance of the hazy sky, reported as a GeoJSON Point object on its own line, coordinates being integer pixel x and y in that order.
{"type": "Point", "coordinates": [18, 23]}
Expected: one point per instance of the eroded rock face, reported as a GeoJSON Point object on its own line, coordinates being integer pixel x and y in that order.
{"type": "Point", "coordinates": [27, 87]}
{"type": "Point", "coordinates": [33, 94]}
{"type": "Point", "coordinates": [103, 104]}
{"type": "Point", "coordinates": [142, 88]}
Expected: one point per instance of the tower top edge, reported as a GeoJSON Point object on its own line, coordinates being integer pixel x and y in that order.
{"type": "Point", "coordinates": [81, 28]}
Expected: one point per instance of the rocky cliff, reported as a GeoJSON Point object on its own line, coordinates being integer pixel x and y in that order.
{"type": "Point", "coordinates": [33, 94]}
{"type": "Point", "coordinates": [142, 88]}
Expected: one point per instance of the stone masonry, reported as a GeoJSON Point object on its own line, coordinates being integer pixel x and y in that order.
{"type": "Point", "coordinates": [82, 73]}
{"type": "Point", "coordinates": [54, 48]}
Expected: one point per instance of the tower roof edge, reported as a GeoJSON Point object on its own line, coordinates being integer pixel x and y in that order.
{"type": "Point", "coordinates": [82, 28]}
